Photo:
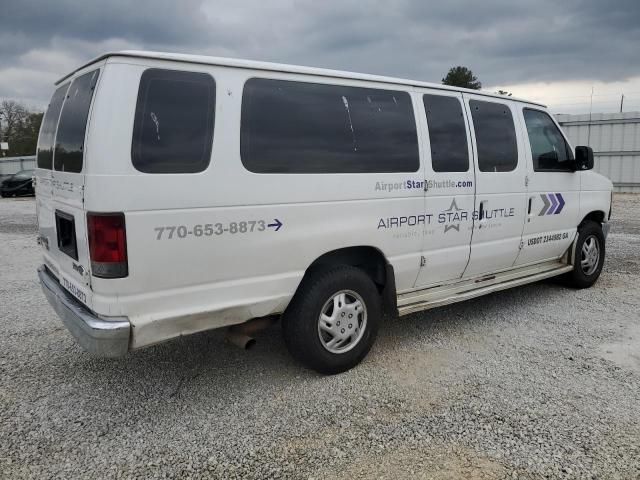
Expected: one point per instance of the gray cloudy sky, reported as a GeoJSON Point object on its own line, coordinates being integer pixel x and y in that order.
{"type": "Point", "coordinates": [549, 50]}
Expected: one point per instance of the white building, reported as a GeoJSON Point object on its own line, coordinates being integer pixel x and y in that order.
{"type": "Point", "coordinates": [615, 139]}
{"type": "Point", "coordinates": [11, 165]}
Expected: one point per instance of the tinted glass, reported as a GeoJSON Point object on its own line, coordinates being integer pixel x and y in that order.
{"type": "Point", "coordinates": [173, 129]}
{"type": "Point", "coordinates": [26, 174]}
{"type": "Point", "coordinates": [295, 127]}
{"type": "Point", "coordinates": [495, 136]}
{"type": "Point", "coordinates": [48, 129]}
{"type": "Point", "coordinates": [447, 134]}
{"type": "Point", "coordinates": [548, 147]}
{"type": "Point", "coordinates": [73, 123]}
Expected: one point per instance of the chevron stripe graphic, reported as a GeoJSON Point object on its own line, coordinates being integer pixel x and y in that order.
{"type": "Point", "coordinates": [546, 205]}
{"type": "Point", "coordinates": [561, 203]}
{"type": "Point", "coordinates": [553, 203]}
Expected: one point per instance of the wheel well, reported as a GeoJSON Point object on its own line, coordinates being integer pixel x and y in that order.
{"type": "Point", "coordinates": [596, 216]}
{"type": "Point", "coordinates": [369, 259]}
{"type": "Point", "coordinates": [373, 262]}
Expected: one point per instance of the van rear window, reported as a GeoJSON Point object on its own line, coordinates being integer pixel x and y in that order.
{"type": "Point", "coordinates": [173, 126]}
{"type": "Point", "coordinates": [72, 127]}
{"type": "Point", "coordinates": [296, 127]}
{"type": "Point", "coordinates": [48, 130]}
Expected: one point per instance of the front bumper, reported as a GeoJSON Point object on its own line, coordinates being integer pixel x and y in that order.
{"type": "Point", "coordinates": [97, 335]}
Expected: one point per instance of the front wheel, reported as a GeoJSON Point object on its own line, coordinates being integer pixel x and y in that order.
{"type": "Point", "coordinates": [333, 319]}
{"type": "Point", "coordinates": [588, 256]}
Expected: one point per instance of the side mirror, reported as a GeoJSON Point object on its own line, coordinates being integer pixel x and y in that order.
{"type": "Point", "coordinates": [584, 158]}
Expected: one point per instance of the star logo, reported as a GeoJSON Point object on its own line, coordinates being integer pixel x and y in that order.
{"type": "Point", "coordinates": [452, 208]}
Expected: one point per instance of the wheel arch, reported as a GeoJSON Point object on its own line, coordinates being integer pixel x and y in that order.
{"type": "Point", "coordinates": [372, 261]}
{"type": "Point", "coordinates": [595, 215]}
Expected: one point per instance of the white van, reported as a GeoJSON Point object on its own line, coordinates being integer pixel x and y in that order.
{"type": "Point", "coordinates": [180, 193]}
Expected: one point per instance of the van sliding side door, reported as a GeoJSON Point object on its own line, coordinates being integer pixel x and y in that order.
{"type": "Point", "coordinates": [500, 205]}
{"type": "Point", "coordinates": [449, 187]}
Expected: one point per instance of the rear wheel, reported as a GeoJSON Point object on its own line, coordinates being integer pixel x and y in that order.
{"type": "Point", "coordinates": [333, 319]}
{"type": "Point", "coordinates": [588, 256]}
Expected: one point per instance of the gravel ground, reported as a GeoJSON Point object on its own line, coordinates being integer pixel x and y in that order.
{"type": "Point", "coordinates": [536, 382]}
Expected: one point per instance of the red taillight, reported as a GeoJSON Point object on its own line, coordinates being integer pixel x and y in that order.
{"type": "Point", "coordinates": [107, 245]}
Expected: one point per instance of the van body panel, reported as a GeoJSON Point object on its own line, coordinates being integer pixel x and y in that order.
{"type": "Point", "coordinates": [595, 194]}
{"type": "Point", "coordinates": [158, 292]}
{"type": "Point", "coordinates": [225, 244]}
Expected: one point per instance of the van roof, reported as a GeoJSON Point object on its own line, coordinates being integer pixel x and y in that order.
{"type": "Point", "coordinates": [280, 67]}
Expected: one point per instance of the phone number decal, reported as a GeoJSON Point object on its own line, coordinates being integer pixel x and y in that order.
{"type": "Point", "coordinates": [170, 232]}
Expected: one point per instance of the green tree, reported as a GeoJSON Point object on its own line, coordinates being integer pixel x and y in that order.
{"type": "Point", "coordinates": [26, 136]}
{"type": "Point", "coordinates": [462, 77]}
{"type": "Point", "coordinates": [19, 127]}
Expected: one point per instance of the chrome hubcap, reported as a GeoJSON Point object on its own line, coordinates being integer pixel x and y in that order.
{"type": "Point", "coordinates": [590, 255]}
{"type": "Point", "coordinates": [342, 322]}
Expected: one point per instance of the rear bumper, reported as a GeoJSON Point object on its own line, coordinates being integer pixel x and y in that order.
{"type": "Point", "coordinates": [97, 335]}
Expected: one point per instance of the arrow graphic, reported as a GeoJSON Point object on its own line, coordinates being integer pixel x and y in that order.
{"type": "Point", "coordinates": [554, 204]}
{"type": "Point", "coordinates": [546, 206]}
{"type": "Point", "coordinates": [277, 224]}
{"type": "Point", "coordinates": [561, 204]}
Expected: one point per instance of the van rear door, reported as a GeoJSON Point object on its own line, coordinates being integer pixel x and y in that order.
{"type": "Point", "coordinates": [44, 170]}
{"type": "Point", "coordinates": [60, 184]}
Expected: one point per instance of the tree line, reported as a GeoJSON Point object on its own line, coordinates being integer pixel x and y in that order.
{"type": "Point", "coordinates": [19, 127]}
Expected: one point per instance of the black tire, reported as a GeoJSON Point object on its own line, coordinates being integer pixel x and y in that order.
{"type": "Point", "coordinates": [582, 277]}
{"type": "Point", "coordinates": [300, 322]}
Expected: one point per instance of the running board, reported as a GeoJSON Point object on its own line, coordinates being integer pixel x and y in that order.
{"type": "Point", "coordinates": [443, 295]}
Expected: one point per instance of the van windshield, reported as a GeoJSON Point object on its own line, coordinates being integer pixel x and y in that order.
{"type": "Point", "coordinates": [69, 150]}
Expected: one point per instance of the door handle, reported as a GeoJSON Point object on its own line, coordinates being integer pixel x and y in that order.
{"type": "Point", "coordinates": [481, 212]}
{"type": "Point", "coordinates": [530, 202]}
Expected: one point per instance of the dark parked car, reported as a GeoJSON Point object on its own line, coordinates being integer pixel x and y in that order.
{"type": "Point", "coordinates": [20, 183]}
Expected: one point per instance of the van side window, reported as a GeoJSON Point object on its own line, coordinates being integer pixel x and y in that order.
{"type": "Point", "coordinates": [495, 136]}
{"type": "Point", "coordinates": [296, 127]}
{"type": "Point", "coordinates": [72, 127]}
{"type": "Point", "coordinates": [48, 130]}
{"type": "Point", "coordinates": [447, 133]}
{"type": "Point", "coordinates": [173, 126]}
{"type": "Point", "coordinates": [549, 150]}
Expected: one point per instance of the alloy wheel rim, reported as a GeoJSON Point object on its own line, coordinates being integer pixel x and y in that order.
{"type": "Point", "coordinates": [590, 255]}
{"type": "Point", "coordinates": [342, 321]}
